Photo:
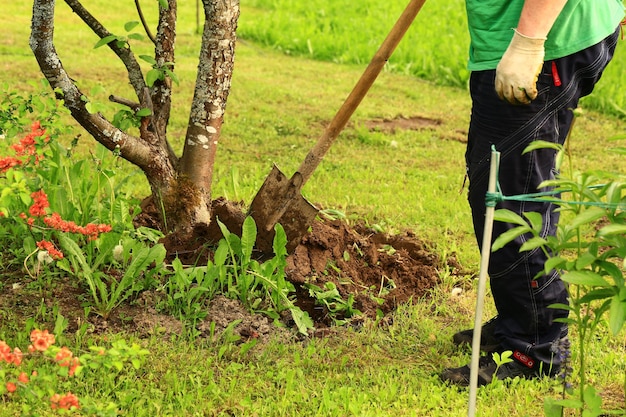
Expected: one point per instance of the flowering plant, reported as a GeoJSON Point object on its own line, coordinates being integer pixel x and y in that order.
{"type": "Point", "coordinates": [47, 202]}
{"type": "Point", "coordinates": [34, 385]}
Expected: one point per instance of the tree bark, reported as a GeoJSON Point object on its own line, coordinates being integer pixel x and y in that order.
{"type": "Point", "coordinates": [217, 55]}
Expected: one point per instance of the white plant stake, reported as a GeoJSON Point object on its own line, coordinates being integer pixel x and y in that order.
{"type": "Point", "coordinates": [482, 283]}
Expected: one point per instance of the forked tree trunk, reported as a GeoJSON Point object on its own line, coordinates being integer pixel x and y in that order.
{"type": "Point", "coordinates": [181, 187]}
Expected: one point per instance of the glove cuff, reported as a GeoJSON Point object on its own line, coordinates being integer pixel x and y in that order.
{"type": "Point", "coordinates": [523, 42]}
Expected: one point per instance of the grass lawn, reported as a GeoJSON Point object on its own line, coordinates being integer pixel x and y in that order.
{"type": "Point", "coordinates": [405, 180]}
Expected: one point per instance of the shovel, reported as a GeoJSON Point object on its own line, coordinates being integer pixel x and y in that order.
{"type": "Point", "coordinates": [279, 199]}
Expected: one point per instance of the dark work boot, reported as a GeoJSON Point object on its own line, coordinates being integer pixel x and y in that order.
{"type": "Point", "coordinates": [488, 341]}
{"type": "Point", "coordinates": [520, 366]}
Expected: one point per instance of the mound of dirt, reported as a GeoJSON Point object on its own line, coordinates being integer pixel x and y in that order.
{"type": "Point", "coordinates": [374, 271]}
{"type": "Point", "coordinates": [379, 271]}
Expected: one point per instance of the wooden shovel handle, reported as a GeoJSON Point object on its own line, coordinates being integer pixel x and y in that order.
{"type": "Point", "coordinates": [314, 157]}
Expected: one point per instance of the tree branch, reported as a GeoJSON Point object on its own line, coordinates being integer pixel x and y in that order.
{"type": "Point", "coordinates": [134, 106]}
{"type": "Point", "coordinates": [135, 74]}
{"type": "Point", "coordinates": [164, 53]}
{"type": "Point", "coordinates": [41, 42]}
{"type": "Point", "coordinates": [144, 23]}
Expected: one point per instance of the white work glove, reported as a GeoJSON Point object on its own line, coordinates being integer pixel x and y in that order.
{"type": "Point", "coordinates": [517, 72]}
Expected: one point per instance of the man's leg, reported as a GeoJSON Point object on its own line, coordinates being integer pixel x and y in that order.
{"type": "Point", "coordinates": [525, 323]}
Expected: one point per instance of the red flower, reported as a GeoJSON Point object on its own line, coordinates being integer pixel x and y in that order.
{"type": "Point", "coordinates": [48, 246]}
{"type": "Point", "coordinates": [7, 356]}
{"type": "Point", "coordinates": [38, 209]}
{"type": "Point", "coordinates": [26, 146]}
{"type": "Point", "coordinates": [65, 357]}
{"type": "Point", "coordinates": [8, 162]}
{"type": "Point", "coordinates": [92, 230]}
{"type": "Point", "coordinates": [17, 356]}
{"type": "Point", "coordinates": [11, 387]}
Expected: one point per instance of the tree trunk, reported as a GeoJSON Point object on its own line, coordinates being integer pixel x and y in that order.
{"type": "Point", "coordinates": [181, 189]}
{"type": "Point", "coordinates": [215, 69]}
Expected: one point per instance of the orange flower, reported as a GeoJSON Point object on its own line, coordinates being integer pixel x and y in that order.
{"type": "Point", "coordinates": [11, 387]}
{"type": "Point", "coordinates": [62, 354]}
{"type": "Point", "coordinates": [4, 348]}
{"type": "Point", "coordinates": [23, 378]}
{"type": "Point", "coordinates": [92, 230]}
{"type": "Point", "coordinates": [8, 162]}
{"type": "Point", "coordinates": [49, 247]}
{"type": "Point", "coordinates": [74, 366]}
{"type": "Point", "coordinates": [7, 356]}
{"type": "Point", "coordinates": [42, 340]}
{"type": "Point", "coordinates": [17, 356]}
{"type": "Point", "coordinates": [68, 401]}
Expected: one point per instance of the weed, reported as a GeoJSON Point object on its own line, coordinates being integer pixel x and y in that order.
{"type": "Point", "coordinates": [337, 308]}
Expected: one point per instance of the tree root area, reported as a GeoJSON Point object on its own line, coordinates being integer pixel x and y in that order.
{"type": "Point", "coordinates": [375, 271]}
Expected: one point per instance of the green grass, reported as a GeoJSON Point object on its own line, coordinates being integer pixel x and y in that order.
{"type": "Point", "coordinates": [435, 48]}
{"type": "Point", "coordinates": [278, 108]}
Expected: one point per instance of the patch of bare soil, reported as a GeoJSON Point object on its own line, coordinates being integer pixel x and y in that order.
{"type": "Point", "coordinates": [380, 271]}
{"type": "Point", "coordinates": [402, 123]}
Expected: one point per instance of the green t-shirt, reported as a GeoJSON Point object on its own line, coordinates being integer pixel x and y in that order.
{"type": "Point", "coordinates": [581, 24]}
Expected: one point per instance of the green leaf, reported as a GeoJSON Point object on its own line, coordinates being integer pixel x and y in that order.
{"type": "Point", "coordinates": [280, 240]}
{"type": "Point", "coordinates": [533, 243]}
{"type": "Point", "coordinates": [144, 112]}
{"type": "Point", "coordinates": [585, 278]}
{"type": "Point", "coordinates": [542, 144]}
{"type": "Point", "coordinates": [555, 262]}
{"type": "Point", "coordinates": [128, 26]}
{"type": "Point", "coordinates": [248, 238]}
{"type": "Point", "coordinates": [617, 314]}
{"type": "Point", "coordinates": [597, 294]}
{"type": "Point", "coordinates": [535, 220]}
{"type": "Point", "coordinates": [104, 41]}
{"type": "Point", "coordinates": [612, 229]}
{"type": "Point", "coordinates": [302, 319]}
{"type": "Point", "coordinates": [584, 260]}
{"type": "Point", "coordinates": [150, 60]}
{"type": "Point", "coordinates": [613, 270]}
{"type": "Point", "coordinates": [509, 236]}
{"type": "Point", "coordinates": [587, 216]}
{"type": "Point", "coordinates": [136, 36]}
{"type": "Point", "coordinates": [152, 76]}
{"type": "Point", "coordinates": [561, 306]}
{"type": "Point", "coordinates": [221, 253]}
{"type": "Point", "coordinates": [551, 408]}
{"type": "Point", "coordinates": [173, 76]}
{"type": "Point", "coordinates": [71, 248]}
{"type": "Point", "coordinates": [507, 216]}
{"type": "Point", "coordinates": [164, 4]}
{"type": "Point", "coordinates": [225, 232]}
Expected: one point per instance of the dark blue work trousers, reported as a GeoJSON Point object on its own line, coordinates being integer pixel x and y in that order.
{"type": "Point", "coordinates": [525, 322]}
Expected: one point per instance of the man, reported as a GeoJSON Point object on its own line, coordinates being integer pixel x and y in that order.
{"type": "Point", "coordinates": [531, 62]}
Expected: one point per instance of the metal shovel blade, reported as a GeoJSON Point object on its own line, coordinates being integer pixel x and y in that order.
{"type": "Point", "coordinates": [279, 201]}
